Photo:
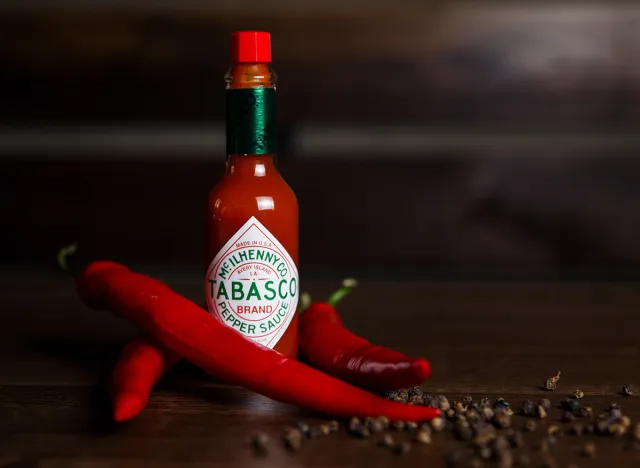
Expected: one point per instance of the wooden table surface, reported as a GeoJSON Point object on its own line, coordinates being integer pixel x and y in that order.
{"type": "Point", "coordinates": [483, 339]}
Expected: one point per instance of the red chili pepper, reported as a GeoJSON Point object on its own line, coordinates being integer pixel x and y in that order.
{"type": "Point", "coordinates": [192, 333]}
{"type": "Point", "coordinates": [141, 365]}
{"type": "Point", "coordinates": [327, 345]}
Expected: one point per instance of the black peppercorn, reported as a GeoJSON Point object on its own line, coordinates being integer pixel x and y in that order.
{"type": "Point", "coordinates": [437, 424]}
{"type": "Point", "coordinates": [354, 424]}
{"type": "Point", "coordinates": [485, 434]}
{"type": "Point", "coordinates": [570, 404]}
{"type": "Point", "coordinates": [552, 382]}
{"type": "Point", "coordinates": [293, 439]}
{"type": "Point", "coordinates": [530, 426]}
{"type": "Point", "coordinates": [416, 400]}
{"type": "Point", "coordinates": [528, 408]}
{"type": "Point", "coordinates": [589, 450]}
{"type": "Point", "coordinates": [398, 425]}
{"type": "Point", "coordinates": [416, 391]}
{"type": "Point", "coordinates": [303, 427]}
{"type": "Point", "coordinates": [628, 390]}
{"type": "Point", "coordinates": [315, 432]}
{"type": "Point", "coordinates": [384, 421]}
{"type": "Point", "coordinates": [334, 426]}
{"type": "Point", "coordinates": [423, 437]}
{"type": "Point", "coordinates": [485, 452]}
{"type": "Point", "coordinates": [516, 439]}
{"type": "Point", "coordinates": [375, 425]}
{"type": "Point", "coordinates": [576, 429]}
{"type": "Point", "coordinates": [545, 403]}
{"type": "Point", "coordinates": [568, 416]}
{"type": "Point", "coordinates": [260, 443]}
{"type": "Point", "coordinates": [466, 401]}
{"type": "Point", "coordinates": [463, 431]}
{"type": "Point", "coordinates": [387, 441]}
{"type": "Point", "coordinates": [502, 420]}
{"type": "Point", "coordinates": [402, 448]}
{"type": "Point", "coordinates": [404, 394]}
{"type": "Point", "coordinates": [362, 432]}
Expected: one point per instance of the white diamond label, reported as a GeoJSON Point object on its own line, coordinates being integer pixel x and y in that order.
{"type": "Point", "coordinates": [252, 284]}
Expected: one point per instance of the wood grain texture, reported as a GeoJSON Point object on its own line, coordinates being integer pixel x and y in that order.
{"type": "Point", "coordinates": [483, 339]}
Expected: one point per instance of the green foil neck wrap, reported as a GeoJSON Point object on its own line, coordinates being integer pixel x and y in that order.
{"type": "Point", "coordinates": [251, 121]}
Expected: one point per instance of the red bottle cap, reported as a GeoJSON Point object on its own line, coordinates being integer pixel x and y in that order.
{"type": "Point", "coordinates": [251, 47]}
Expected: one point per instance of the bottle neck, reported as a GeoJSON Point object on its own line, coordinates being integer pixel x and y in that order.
{"type": "Point", "coordinates": [255, 165]}
{"type": "Point", "coordinates": [251, 110]}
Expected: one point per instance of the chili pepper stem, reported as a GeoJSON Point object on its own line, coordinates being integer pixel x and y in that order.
{"type": "Point", "coordinates": [64, 254]}
{"type": "Point", "coordinates": [347, 285]}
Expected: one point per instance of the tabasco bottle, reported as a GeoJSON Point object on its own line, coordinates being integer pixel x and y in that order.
{"type": "Point", "coordinates": [251, 282]}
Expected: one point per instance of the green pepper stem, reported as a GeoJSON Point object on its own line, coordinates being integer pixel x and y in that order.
{"type": "Point", "coordinates": [347, 285]}
{"type": "Point", "coordinates": [63, 257]}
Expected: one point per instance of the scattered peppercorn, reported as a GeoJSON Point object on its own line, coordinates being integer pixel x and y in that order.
{"type": "Point", "coordinates": [552, 382]}
{"type": "Point", "coordinates": [485, 452]}
{"type": "Point", "coordinates": [487, 413]}
{"type": "Point", "coordinates": [463, 431]}
{"type": "Point", "coordinates": [544, 445]}
{"type": "Point", "coordinates": [589, 450]}
{"type": "Point", "coordinates": [398, 425]}
{"type": "Point", "coordinates": [293, 439]}
{"type": "Point", "coordinates": [375, 425]}
{"type": "Point", "coordinates": [411, 426]}
{"type": "Point", "coordinates": [354, 424]}
{"type": "Point", "coordinates": [315, 432]}
{"type": "Point", "coordinates": [576, 429]}
{"type": "Point", "coordinates": [402, 448]}
{"type": "Point", "coordinates": [303, 427]}
{"type": "Point", "coordinates": [528, 408]}
{"type": "Point", "coordinates": [437, 424]}
{"type": "Point", "coordinates": [423, 437]}
{"type": "Point", "coordinates": [472, 415]}
{"type": "Point", "coordinates": [578, 394]}
{"type": "Point", "coordinates": [568, 416]}
{"type": "Point", "coordinates": [362, 432]}
{"type": "Point", "coordinates": [541, 413]}
{"type": "Point", "coordinates": [334, 426]}
{"type": "Point", "coordinates": [502, 420]}
{"type": "Point", "coordinates": [570, 404]}
{"type": "Point", "coordinates": [467, 400]}
{"type": "Point", "coordinates": [485, 434]}
{"type": "Point", "coordinates": [450, 413]}
{"type": "Point", "coordinates": [628, 390]}
{"type": "Point", "coordinates": [554, 430]}
{"type": "Point", "coordinates": [545, 403]}
{"type": "Point", "coordinates": [416, 400]}
{"type": "Point", "coordinates": [530, 426]}
{"type": "Point", "coordinates": [260, 443]}
{"type": "Point", "coordinates": [404, 395]}
{"type": "Point", "coordinates": [459, 408]}
{"type": "Point", "coordinates": [387, 441]}
{"type": "Point", "coordinates": [443, 403]}
{"type": "Point", "coordinates": [516, 439]}
{"type": "Point", "coordinates": [416, 391]}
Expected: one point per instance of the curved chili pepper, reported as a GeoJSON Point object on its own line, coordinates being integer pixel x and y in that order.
{"type": "Point", "coordinates": [327, 345]}
{"type": "Point", "coordinates": [194, 334]}
{"type": "Point", "coordinates": [140, 366]}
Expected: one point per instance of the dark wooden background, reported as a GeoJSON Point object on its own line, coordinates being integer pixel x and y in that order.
{"type": "Point", "coordinates": [511, 130]}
